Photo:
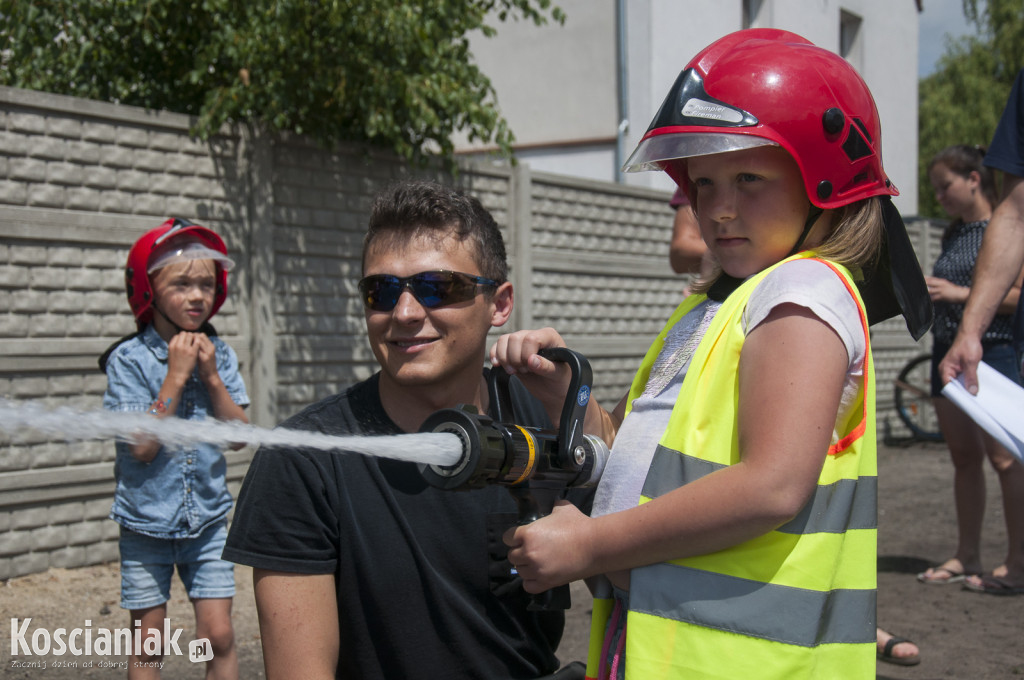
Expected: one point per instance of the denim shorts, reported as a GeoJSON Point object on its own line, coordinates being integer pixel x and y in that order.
{"type": "Point", "coordinates": [1003, 358]}
{"type": "Point", "coordinates": [147, 566]}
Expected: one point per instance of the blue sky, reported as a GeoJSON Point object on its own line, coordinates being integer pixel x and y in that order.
{"type": "Point", "coordinates": [938, 18]}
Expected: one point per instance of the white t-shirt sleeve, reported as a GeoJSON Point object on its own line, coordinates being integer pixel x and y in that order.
{"type": "Point", "coordinates": [814, 285]}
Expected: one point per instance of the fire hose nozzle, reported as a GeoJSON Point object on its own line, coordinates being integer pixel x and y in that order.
{"type": "Point", "coordinates": [537, 465]}
{"type": "Point", "coordinates": [510, 455]}
{"type": "Point", "coordinates": [497, 451]}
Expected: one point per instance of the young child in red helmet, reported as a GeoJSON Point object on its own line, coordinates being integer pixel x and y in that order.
{"type": "Point", "coordinates": [172, 501]}
{"type": "Point", "coordinates": [734, 529]}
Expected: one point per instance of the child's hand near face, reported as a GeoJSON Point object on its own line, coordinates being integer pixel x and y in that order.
{"type": "Point", "coordinates": [182, 355]}
{"type": "Point", "coordinates": [207, 357]}
{"type": "Point", "coordinates": [224, 408]}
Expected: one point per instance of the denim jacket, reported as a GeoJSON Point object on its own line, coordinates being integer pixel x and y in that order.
{"type": "Point", "coordinates": [183, 489]}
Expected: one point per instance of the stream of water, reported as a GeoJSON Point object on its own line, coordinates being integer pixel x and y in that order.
{"type": "Point", "coordinates": [70, 424]}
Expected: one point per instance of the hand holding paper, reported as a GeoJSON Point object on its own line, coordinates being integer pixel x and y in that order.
{"type": "Point", "coordinates": [998, 407]}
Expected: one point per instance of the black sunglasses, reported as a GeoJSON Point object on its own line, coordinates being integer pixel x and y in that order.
{"type": "Point", "coordinates": [433, 289]}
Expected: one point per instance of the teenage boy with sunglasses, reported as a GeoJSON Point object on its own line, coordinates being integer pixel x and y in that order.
{"type": "Point", "coordinates": [361, 569]}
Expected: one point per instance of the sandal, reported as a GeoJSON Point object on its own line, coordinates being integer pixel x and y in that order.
{"type": "Point", "coordinates": [993, 585]}
{"type": "Point", "coordinates": [941, 575]}
{"type": "Point", "coordinates": [887, 656]}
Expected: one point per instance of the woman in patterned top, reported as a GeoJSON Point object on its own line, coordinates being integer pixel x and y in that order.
{"type": "Point", "coordinates": [966, 190]}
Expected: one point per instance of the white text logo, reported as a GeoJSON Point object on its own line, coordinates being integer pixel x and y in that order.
{"type": "Point", "coordinates": [87, 641]}
{"type": "Point", "coordinates": [698, 108]}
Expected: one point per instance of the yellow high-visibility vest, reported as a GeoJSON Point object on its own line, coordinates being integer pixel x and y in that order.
{"type": "Point", "coordinates": [797, 602]}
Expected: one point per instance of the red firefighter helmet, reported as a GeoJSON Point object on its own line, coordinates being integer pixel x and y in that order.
{"type": "Point", "coordinates": [767, 86]}
{"type": "Point", "coordinates": [173, 241]}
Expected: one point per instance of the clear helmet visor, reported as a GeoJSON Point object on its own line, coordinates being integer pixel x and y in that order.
{"type": "Point", "coordinates": [181, 250]}
{"type": "Point", "coordinates": [653, 152]}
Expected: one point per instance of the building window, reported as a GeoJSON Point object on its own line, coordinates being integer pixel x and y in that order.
{"type": "Point", "coordinates": [849, 38]}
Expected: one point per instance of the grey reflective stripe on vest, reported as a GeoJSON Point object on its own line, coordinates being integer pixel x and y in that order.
{"type": "Point", "coordinates": [784, 614]}
{"type": "Point", "coordinates": [834, 508]}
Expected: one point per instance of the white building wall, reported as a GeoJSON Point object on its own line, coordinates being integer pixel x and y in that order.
{"type": "Point", "coordinates": [556, 84]}
{"type": "Point", "coordinates": [559, 86]}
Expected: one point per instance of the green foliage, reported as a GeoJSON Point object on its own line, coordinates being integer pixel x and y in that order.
{"type": "Point", "coordinates": [394, 73]}
{"type": "Point", "coordinates": [962, 101]}
{"type": "Point", "coordinates": [1001, 22]}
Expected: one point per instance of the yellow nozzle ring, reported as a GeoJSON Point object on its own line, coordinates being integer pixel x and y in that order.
{"type": "Point", "coordinates": [528, 470]}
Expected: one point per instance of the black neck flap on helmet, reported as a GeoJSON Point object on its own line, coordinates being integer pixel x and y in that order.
{"type": "Point", "coordinates": [895, 285]}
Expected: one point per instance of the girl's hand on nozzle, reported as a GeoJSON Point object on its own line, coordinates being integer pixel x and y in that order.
{"type": "Point", "coordinates": [552, 550]}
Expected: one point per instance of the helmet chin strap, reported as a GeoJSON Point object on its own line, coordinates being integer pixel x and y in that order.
{"type": "Point", "coordinates": [206, 328]}
{"type": "Point", "coordinates": [812, 217]}
{"type": "Point", "coordinates": [725, 284]}
{"type": "Point", "coordinates": [177, 328]}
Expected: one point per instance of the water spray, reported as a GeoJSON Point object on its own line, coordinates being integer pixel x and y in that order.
{"type": "Point", "coordinates": [537, 465]}
{"type": "Point", "coordinates": [69, 424]}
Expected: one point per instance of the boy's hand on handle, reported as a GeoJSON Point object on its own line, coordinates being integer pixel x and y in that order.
{"type": "Point", "coordinates": [547, 380]}
{"type": "Point", "coordinates": [517, 352]}
{"type": "Point", "coordinates": [962, 358]}
{"type": "Point", "coordinates": [550, 551]}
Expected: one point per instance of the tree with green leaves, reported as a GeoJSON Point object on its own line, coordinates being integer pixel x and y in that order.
{"type": "Point", "coordinates": [393, 73]}
{"type": "Point", "coordinates": [962, 101]}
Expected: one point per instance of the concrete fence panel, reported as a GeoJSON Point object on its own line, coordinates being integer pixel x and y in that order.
{"type": "Point", "coordinates": [81, 180]}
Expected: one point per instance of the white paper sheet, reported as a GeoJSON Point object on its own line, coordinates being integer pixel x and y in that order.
{"type": "Point", "coordinates": [998, 407]}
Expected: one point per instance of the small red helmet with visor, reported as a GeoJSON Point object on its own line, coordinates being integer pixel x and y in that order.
{"type": "Point", "coordinates": [174, 240]}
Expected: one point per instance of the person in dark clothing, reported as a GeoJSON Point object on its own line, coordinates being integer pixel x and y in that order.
{"type": "Point", "coordinates": [362, 570]}
{"type": "Point", "coordinates": [998, 266]}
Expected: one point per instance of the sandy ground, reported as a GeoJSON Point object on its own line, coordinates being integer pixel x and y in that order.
{"type": "Point", "coordinates": [961, 634]}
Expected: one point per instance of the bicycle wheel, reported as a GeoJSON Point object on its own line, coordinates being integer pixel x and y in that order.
{"type": "Point", "coordinates": [914, 401]}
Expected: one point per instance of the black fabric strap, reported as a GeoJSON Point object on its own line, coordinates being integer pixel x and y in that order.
{"type": "Point", "coordinates": [812, 216]}
{"type": "Point", "coordinates": [723, 287]}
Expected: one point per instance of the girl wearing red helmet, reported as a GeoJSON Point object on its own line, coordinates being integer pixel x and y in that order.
{"type": "Point", "coordinates": [171, 501]}
{"type": "Point", "coordinates": [734, 527]}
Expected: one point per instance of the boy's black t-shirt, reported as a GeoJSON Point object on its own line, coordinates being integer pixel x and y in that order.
{"type": "Point", "coordinates": [422, 575]}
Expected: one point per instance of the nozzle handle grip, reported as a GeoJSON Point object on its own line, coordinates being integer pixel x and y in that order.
{"type": "Point", "coordinates": [500, 394]}
{"type": "Point", "coordinates": [556, 599]}
{"type": "Point", "coordinates": [574, 410]}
